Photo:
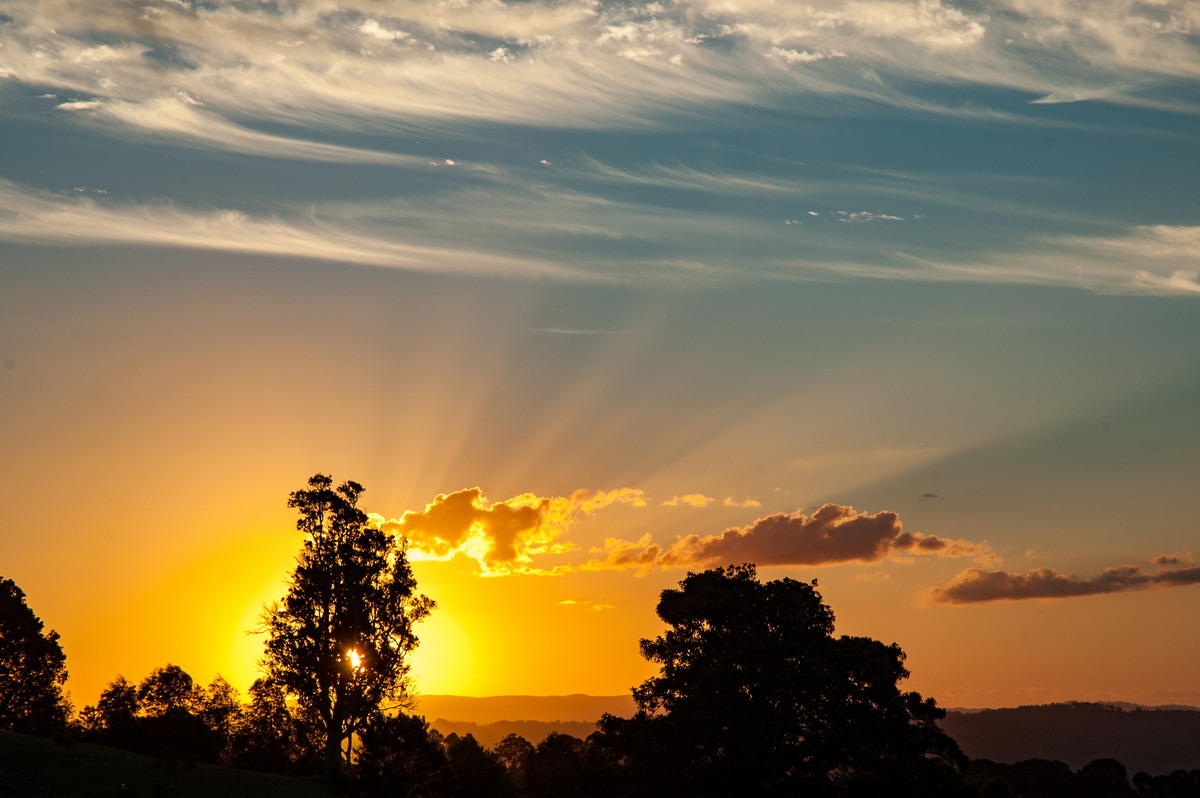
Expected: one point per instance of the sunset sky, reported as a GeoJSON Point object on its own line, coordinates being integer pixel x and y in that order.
{"type": "Point", "coordinates": [898, 295]}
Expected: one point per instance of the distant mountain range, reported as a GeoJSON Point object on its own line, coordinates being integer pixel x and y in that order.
{"type": "Point", "coordinates": [1153, 740]}
{"type": "Point", "coordinates": [576, 707]}
{"type": "Point", "coordinates": [493, 718]}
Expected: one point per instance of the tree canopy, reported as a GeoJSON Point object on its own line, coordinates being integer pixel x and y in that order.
{"type": "Point", "coordinates": [33, 668]}
{"type": "Point", "coordinates": [757, 697]}
{"type": "Point", "coordinates": [339, 641]}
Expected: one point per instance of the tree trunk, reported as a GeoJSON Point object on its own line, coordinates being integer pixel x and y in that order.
{"type": "Point", "coordinates": [333, 756]}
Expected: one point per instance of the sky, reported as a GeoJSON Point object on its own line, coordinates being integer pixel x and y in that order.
{"type": "Point", "coordinates": [897, 295]}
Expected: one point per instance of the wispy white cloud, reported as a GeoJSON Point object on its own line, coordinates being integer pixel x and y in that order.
{"type": "Point", "coordinates": [180, 119]}
{"type": "Point", "coordinates": [370, 66]}
{"type": "Point", "coordinates": [28, 215]}
{"type": "Point", "coordinates": [1149, 259]}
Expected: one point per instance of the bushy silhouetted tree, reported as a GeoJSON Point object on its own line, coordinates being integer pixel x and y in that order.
{"type": "Point", "coordinates": [339, 640]}
{"type": "Point", "coordinates": [757, 697]}
{"type": "Point", "coordinates": [267, 736]}
{"type": "Point", "coordinates": [514, 752]}
{"type": "Point", "coordinates": [33, 668]}
{"type": "Point", "coordinates": [399, 756]}
{"type": "Point", "coordinates": [478, 773]}
{"type": "Point", "coordinates": [563, 764]}
{"type": "Point", "coordinates": [167, 715]}
{"type": "Point", "coordinates": [1176, 784]}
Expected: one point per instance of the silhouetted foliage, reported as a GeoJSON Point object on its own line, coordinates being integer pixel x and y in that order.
{"type": "Point", "coordinates": [339, 640]}
{"type": "Point", "coordinates": [222, 712]}
{"type": "Point", "coordinates": [33, 668]}
{"type": "Point", "coordinates": [478, 773]}
{"type": "Point", "coordinates": [1049, 778]}
{"type": "Point", "coordinates": [113, 721]}
{"type": "Point", "coordinates": [565, 765]}
{"type": "Point", "coordinates": [167, 716]}
{"type": "Point", "coordinates": [1105, 778]}
{"type": "Point", "coordinates": [167, 690]}
{"type": "Point", "coordinates": [514, 752]}
{"type": "Point", "coordinates": [268, 737]}
{"type": "Point", "coordinates": [399, 756]}
{"type": "Point", "coordinates": [756, 697]}
{"type": "Point", "coordinates": [1176, 784]}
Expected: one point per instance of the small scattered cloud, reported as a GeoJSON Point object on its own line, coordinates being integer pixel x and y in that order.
{"type": "Point", "coordinates": [928, 496]}
{"type": "Point", "coordinates": [803, 56]}
{"type": "Point", "coordinates": [730, 501]}
{"type": "Point", "coordinates": [861, 217]}
{"type": "Point", "coordinates": [874, 576]}
{"type": "Point", "coordinates": [689, 500]}
{"type": "Point", "coordinates": [833, 534]}
{"type": "Point", "coordinates": [975, 585]}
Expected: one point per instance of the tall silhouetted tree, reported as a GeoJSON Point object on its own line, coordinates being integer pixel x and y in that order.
{"type": "Point", "coordinates": [32, 668]}
{"type": "Point", "coordinates": [339, 640]}
{"type": "Point", "coordinates": [757, 697]}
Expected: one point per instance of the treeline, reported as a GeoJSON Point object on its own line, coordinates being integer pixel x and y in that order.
{"type": "Point", "coordinates": [168, 716]}
{"type": "Point", "coordinates": [181, 723]}
{"type": "Point", "coordinates": [1102, 778]}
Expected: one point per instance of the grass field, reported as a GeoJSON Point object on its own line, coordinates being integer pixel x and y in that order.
{"type": "Point", "coordinates": [34, 767]}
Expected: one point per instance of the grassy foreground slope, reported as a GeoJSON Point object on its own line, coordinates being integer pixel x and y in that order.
{"type": "Point", "coordinates": [34, 767]}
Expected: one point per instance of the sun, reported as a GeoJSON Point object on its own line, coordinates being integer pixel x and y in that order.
{"type": "Point", "coordinates": [444, 661]}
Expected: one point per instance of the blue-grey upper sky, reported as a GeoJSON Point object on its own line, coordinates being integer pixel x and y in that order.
{"type": "Point", "coordinates": [937, 258]}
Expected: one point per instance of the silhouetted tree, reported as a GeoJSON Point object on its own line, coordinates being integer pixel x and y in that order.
{"type": "Point", "coordinates": [32, 668]}
{"type": "Point", "coordinates": [267, 736]}
{"type": "Point", "coordinates": [1176, 784]}
{"type": "Point", "coordinates": [757, 697]}
{"type": "Point", "coordinates": [171, 725]}
{"type": "Point", "coordinates": [563, 764]}
{"type": "Point", "coordinates": [514, 752]}
{"type": "Point", "coordinates": [399, 756]}
{"type": "Point", "coordinates": [478, 773]}
{"type": "Point", "coordinates": [1043, 778]}
{"type": "Point", "coordinates": [113, 721]}
{"type": "Point", "coordinates": [339, 640]}
{"type": "Point", "coordinates": [1105, 778]}
{"type": "Point", "coordinates": [169, 689]}
{"type": "Point", "coordinates": [221, 710]}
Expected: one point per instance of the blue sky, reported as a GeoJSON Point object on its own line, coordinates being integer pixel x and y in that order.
{"type": "Point", "coordinates": [931, 258]}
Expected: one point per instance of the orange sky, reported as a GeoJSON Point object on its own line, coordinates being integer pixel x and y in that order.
{"type": "Point", "coordinates": [147, 517]}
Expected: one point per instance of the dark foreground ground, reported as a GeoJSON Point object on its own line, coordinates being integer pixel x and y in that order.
{"type": "Point", "coordinates": [34, 767]}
